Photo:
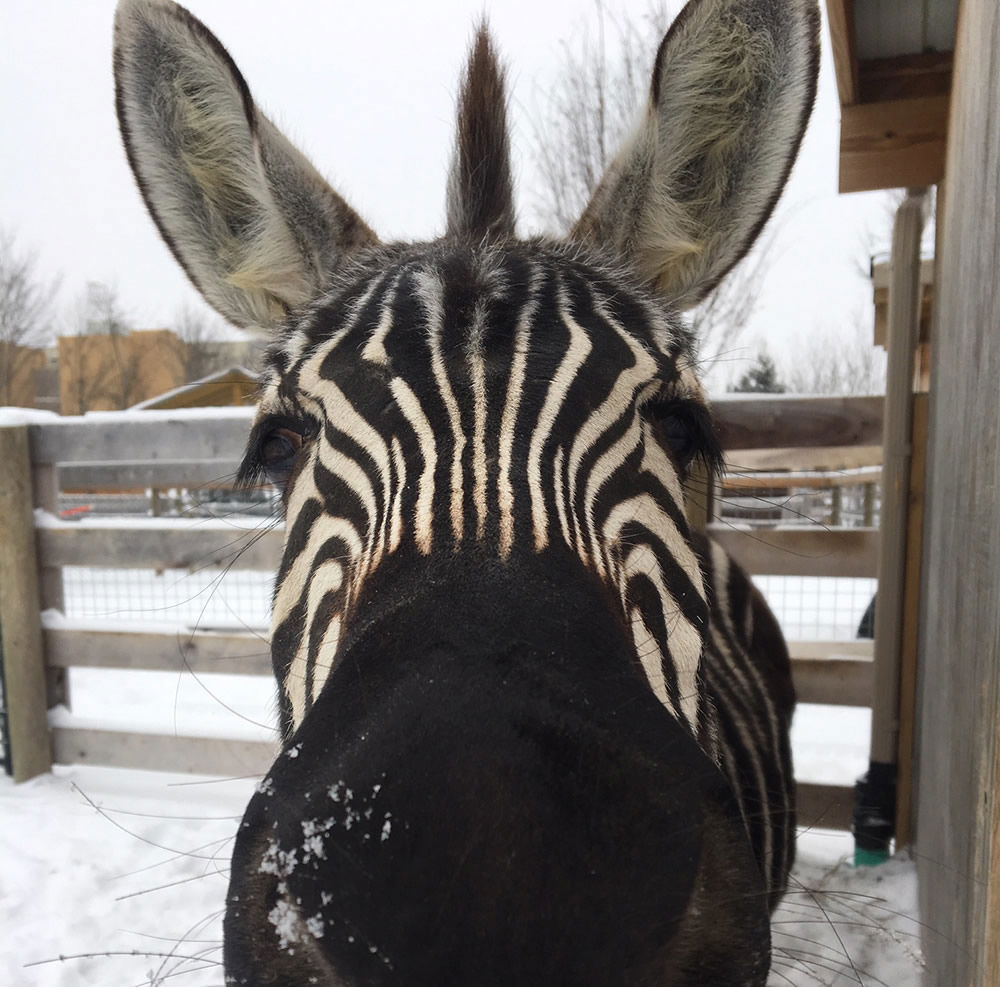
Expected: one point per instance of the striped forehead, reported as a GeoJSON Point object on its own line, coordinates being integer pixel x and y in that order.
{"type": "Point", "coordinates": [468, 304]}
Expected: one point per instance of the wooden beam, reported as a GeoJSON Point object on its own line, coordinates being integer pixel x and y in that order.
{"type": "Point", "coordinates": [911, 622]}
{"type": "Point", "coordinates": [893, 144]}
{"type": "Point", "coordinates": [162, 545]}
{"type": "Point", "coordinates": [829, 459]}
{"type": "Point", "coordinates": [158, 435]}
{"type": "Point", "coordinates": [200, 652]}
{"type": "Point", "coordinates": [825, 806]}
{"type": "Point", "coordinates": [904, 77]}
{"type": "Point", "coordinates": [801, 551]}
{"type": "Point", "coordinates": [958, 795]}
{"type": "Point", "coordinates": [24, 686]}
{"type": "Point", "coordinates": [770, 422]}
{"type": "Point", "coordinates": [840, 17]}
{"type": "Point", "coordinates": [163, 752]}
{"type": "Point", "coordinates": [833, 681]}
{"type": "Point", "coordinates": [198, 473]}
{"type": "Point", "coordinates": [798, 480]}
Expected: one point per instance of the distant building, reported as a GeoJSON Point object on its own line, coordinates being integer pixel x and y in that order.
{"type": "Point", "coordinates": [105, 372]}
{"type": "Point", "coordinates": [225, 388]}
{"type": "Point", "coordinates": [19, 367]}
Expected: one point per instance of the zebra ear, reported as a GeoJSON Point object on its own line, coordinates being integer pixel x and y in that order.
{"type": "Point", "coordinates": [250, 220]}
{"type": "Point", "coordinates": [685, 199]}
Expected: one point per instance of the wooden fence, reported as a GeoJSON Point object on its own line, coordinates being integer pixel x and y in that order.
{"type": "Point", "coordinates": [179, 449]}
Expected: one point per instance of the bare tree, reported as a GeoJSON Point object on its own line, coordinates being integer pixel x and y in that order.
{"type": "Point", "coordinates": [839, 362]}
{"type": "Point", "coordinates": [589, 112]}
{"type": "Point", "coordinates": [24, 314]}
{"type": "Point", "coordinates": [199, 335]}
{"type": "Point", "coordinates": [100, 365]}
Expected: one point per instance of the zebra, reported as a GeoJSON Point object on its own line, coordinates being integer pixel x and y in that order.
{"type": "Point", "coordinates": [535, 727]}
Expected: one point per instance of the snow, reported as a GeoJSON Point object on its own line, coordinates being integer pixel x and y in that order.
{"type": "Point", "coordinates": [214, 413]}
{"type": "Point", "coordinates": [10, 416]}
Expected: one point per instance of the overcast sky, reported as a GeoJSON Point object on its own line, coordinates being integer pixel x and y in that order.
{"type": "Point", "coordinates": [367, 90]}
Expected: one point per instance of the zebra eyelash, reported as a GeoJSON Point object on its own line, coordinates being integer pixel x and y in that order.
{"type": "Point", "coordinates": [254, 469]}
{"type": "Point", "coordinates": [688, 430]}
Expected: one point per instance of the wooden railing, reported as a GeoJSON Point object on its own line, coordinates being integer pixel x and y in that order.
{"type": "Point", "coordinates": [179, 449]}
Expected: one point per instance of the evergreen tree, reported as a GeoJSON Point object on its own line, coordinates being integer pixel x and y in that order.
{"type": "Point", "coordinates": [761, 378]}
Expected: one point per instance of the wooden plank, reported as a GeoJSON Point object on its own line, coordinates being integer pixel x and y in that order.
{"type": "Point", "coordinates": [911, 623]}
{"type": "Point", "coordinates": [195, 651]}
{"type": "Point", "coordinates": [958, 796]}
{"type": "Point", "coordinates": [45, 486]}
{"type": "Point", "coordinates": [856, 648]}
{"type": "Point", "coordinates": [840, 18]}
{"type": "Point", "coordinates": [797, 480]}
{"type": "Point", "coordinates": [162, 752]}
{"type": "Point", "coordinates": [827, 459]}
{"type": "Point", "coordinates": [162, 545]}
{"type": "Point", "coordinates": [773, 421]}
{"type": "Point", "coordinates": [904, 315]}
{"type": "Point", "coordinates": [206, 473]}
{"type": "Point", "coordinates": [24, 684]}
{"type": "Point", "coordinates": [892, 144]}
{"type": "Point", "coordinates": [157, 435]}
{"type": "Point", "coordinates": [824, 806]}
{"type": "Point", "coordinates": [904, 76]}
{"type": "Point", "coordinates": [834, 681]}
{"type": "Point", "coordinates": [801, 551]}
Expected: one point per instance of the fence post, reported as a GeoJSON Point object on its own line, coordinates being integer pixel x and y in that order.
{"type": "Point", "coordinates": [45, 481]}
{"type": "Point", "coordinates": [876, 804]}
{"type": "Point", "coordinates": [30, 751]}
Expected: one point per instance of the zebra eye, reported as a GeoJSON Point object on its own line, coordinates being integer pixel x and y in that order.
{"type": "Point", "coordinates": [277, 449]}
{"type": "Point", "coordinates": [678, 436]}
{"type": "Point", "coordinates": [686, 431]}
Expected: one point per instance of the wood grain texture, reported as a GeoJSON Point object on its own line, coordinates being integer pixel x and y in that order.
{"type": "Point", "coordinates": [801, 551]}
{"type": "Point", "coordinates": [192, 436]}
{"type": "Point", "coordinates": [958, 833]}
{"type": "Point", "coordinates": [205, 545]}
{"type": "Point", "coordinates": [911, 622]}
{"type": "Point", "coordinates": [200, 473]}
{"type": "Point", "coordinates": [24, 685]}
{"type": "Point", "coordinates": [893, 144]}
{"type": "Point", "coordinates": [219, 757]}
{"type": "Point", "coordinates": [840, 17]}
{"type": "Point", "coordinates": [768, 423]}
{"type": "Point", "coordinates": [198, 652]}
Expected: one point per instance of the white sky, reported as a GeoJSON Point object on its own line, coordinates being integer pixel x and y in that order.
{"type": "Point", "coordinates": [367, 90]}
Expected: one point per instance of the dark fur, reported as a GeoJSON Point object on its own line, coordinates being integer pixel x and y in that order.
{"type": "Point", "coordinates": [481, 190]}
{"type": "Point", "coordinates": [550, 823]}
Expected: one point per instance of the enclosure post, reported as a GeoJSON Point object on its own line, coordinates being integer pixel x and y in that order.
{"type": "Point", "coordinates": [836, 506]}
{"type": "Point", "coordinates": [869, 504]}
{"type": "Point", "coordinates": [875, 808]}
{"type": "Point", "coordinates": [45, 481]}
{"type": "Point", "coordinates": [20, 612]}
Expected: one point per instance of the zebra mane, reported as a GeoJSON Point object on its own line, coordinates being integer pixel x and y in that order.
{"type": "Point", "coordinates": [480, 187]}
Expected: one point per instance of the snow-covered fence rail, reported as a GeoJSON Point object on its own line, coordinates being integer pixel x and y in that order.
{"type": "Point", "coordinates": [190, 449]}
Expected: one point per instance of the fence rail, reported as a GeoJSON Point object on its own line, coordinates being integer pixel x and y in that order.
{"type": "Point", "coordinates": [109, 452]}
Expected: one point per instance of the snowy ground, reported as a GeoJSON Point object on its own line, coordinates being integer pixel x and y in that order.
{"type": "Point", "coordinates": [127, 870]}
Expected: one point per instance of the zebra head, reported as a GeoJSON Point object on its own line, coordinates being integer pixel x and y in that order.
{"type": "Point", "coordinates": [504, 757]}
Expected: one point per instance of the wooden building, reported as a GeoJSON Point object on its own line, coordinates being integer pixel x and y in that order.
{"type": "Point", "coordinates": [919, 84]}
{"type": "Point", "coordinates": [226, 388]}
{"type": "Point", "coordinates": [102, 372]}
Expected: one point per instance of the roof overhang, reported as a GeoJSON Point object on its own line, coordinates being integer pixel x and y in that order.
{"type": "Point", "coordinates": [893, 60]}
